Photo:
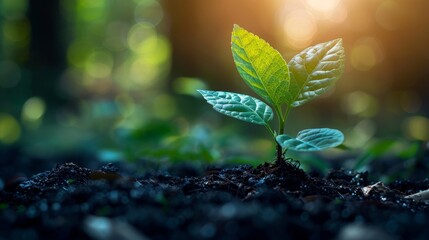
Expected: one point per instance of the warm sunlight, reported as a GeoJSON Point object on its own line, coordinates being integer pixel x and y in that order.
{"type": "Point", "coordinates": [302, 18]}
{"type": "Point", "coordinates": [324, 6]}
{"type": "Point", "coordinates": [300, 27]}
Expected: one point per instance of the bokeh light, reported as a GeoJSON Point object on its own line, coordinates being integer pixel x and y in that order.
{"type": "Point", "coordinates": [140, 36]}
{"type": "Point", "coordinates": [417, 127]}
{"type": "Point", "coordinates": [17, 31]}
{"type": "Point", "coordinates": [387, 14]}
{"type": "Point", "coordinates": [33, 110]}
{"type": "Point", "coordinates": [91, 10]}
{"type": "Point", "coordinates": [360, 103]}
{"type": "Point", "coordinates": [366, 54]}
{"type": "Point", "coordinates": [148, 11]}
{"type": "Point", "coordinates": [326, 5]}
{"type": "Point", "coordinates": [13, 9]}
{"type": "Point", "coordinates": [10, 130]}
{"type": "Point", "coordinates": [115, 40]}
{"type": "Point", "coordinates": [339, 14]}
{"type": "Point", "coordinates": [300, 28]}
{"type": "Point", "coordinates": [99, 64]}
{"type": "Point", "coordinates": [188, 86]}
{"type": "Point", "coordinates": [129, 63]}
{"type": "Point", "coordinates": [78, 52]}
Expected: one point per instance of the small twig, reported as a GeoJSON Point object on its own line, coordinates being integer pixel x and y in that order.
{"type": "Point", "coordinates": [420, 196]}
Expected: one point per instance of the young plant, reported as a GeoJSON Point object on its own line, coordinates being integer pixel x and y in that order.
{"type": "Point", "coordinates": [283, 86]}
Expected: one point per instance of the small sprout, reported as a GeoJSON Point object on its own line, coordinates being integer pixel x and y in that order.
{"type": "Point", "coordinates": [283, 86]}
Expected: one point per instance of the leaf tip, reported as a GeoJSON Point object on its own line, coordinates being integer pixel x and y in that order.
{"type": "Point", "coordinates": [338, 41]}
{"type": "Point", "coordinates": [236, 27]}
{"type": "Point", "coordinates": [202, 92]}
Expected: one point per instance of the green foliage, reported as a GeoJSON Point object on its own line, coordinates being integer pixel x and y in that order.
{"type": "Point", "coordinates": [315, 70]}
{"type": "Point", "coordinates": [376, 150]}
{"type": "Point", "coordinates": [163, 142]}
{"type": "Point", "coordinates": [390, 159]}
{"type": "Point", "coordinates": [284, 86]}
{"type": "Point", "coordinates": [312, 139]}
{"type": "Point", "coordinates": [239, 106]}
{"type": "Point", "coordinates": [261, 66]}
{"type": "Point", "coordinates": [383, 148]}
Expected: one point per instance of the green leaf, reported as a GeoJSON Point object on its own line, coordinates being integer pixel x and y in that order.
{"type": "Point", "coordinates": [262, 67]}
{"type": "Point", "coordinates": [315, 70]}
{"type": "Point", "coordinates": [312, 139]}
{"type": "Point", "coordinates": [240, 106]}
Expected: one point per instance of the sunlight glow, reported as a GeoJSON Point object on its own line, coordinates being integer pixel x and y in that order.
{"type": "Point", "coordinates": [387, 15]}
{"type": "Point", "coordinates": [332, 10]}
{"type": "Point", "coordinates": [339, 14]}
{"type": "Point", "coordinates": [300, 28]}
{"type": "Point", "coordinates": [325, 5]}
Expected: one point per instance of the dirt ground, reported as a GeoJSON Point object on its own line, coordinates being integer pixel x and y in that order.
{"type": "Point", "coordinates": [271, 201]}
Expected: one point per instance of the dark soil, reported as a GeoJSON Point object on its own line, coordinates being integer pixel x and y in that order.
{"type": "Point", "coordinates": [271, 201]}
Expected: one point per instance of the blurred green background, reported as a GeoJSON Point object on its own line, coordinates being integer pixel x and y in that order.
{"type": "Point", "coordinates": [118, 78]}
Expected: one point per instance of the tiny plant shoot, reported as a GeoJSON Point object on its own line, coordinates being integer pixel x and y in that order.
{"type": "Point", "coordinates": [283, 86]}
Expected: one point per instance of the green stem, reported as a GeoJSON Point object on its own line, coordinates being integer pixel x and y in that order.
{"type": "Point", "coordinates": [287, 113]}
{"type": "Point", "coordinates": [270, 130]}
{"type": "Point", "coordinates": [282, 120]}
{"type": "Point", "coordinates": [279, 149]}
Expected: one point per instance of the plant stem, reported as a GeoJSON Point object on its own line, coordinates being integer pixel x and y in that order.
{"type": "Point", "coordinates": [286, 113]}
{"type": "Point", "coordinates": [279, 149]}
{"type": "Point", "coordinates": [279, 152]}
{"type": "Point", "coordinates": [282, 120]}
{"type": "Point", "coordinates": [270, 130]}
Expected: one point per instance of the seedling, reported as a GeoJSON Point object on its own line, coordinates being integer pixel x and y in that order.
{"type": "Point", "coordinates": [283, 86]}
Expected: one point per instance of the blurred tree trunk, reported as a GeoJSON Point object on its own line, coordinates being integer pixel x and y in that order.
{"type": "Point", "coordinates": [48, 50]}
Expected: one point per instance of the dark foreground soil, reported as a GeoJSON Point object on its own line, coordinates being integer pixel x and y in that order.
{"type": "Point", "coordinates": [272, 201]}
